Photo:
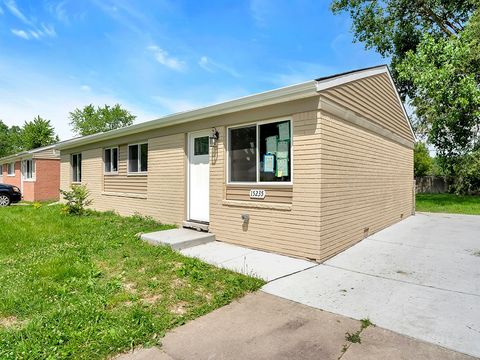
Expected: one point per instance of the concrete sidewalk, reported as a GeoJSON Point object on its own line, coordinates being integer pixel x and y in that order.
{"type": "Point", "coordinates": [263, 326]}
{"type": "Point", "coordinates": [261, 264]}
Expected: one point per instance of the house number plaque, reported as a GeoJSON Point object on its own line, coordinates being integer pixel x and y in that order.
{"type": "Point", "coordinates": [257, 194]}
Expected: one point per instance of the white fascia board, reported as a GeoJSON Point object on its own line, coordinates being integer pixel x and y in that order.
{"type": "Point", "coordinates": [289, 93]}
{"type": "Point", "coordinates": [401, 105]}
{"type": "Point", "coordinates": [343, 79]}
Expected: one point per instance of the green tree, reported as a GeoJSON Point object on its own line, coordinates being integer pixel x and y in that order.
{"type": "Point", "coordinates": [422, 162]}
{"type": "Point", "coordinates": [89, 120]}
{"type": "Point", "coordinates": [15, 138]}
{"type": "Point", "coordinates": [446, 74]}
{"type": "Point", "coordinates": [434, 52]}
{"type": "Point", "coordinates": [10, 139]}
{"type": "Point", "coordinates": [38, 133]}
{"type": "Point", "coordinates": [395, 27]}
{"type": "Point", "coordinates": [4, 139]}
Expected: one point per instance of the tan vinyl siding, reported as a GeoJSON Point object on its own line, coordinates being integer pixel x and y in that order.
{"type": "Point", "coordinates": [166, 178]}
{"type": "Point", "coordinates": [372, 98]}
{"type": "Point", "coordinates": [65, 172]}
{"type": "Point", "coordinates": [293, 232]}
{"type": "Point", "coordinates": [273, 194]}
{"type": "Point", "coordinates": [122, 182]}
{"type": "Point", "coordinates": [366, 182]}
{"type": "Point", "coordinates": [47, 154]}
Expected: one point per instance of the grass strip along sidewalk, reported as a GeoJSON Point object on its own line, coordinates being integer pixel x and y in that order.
{"type": "Point", "coordinates": [87, 287]}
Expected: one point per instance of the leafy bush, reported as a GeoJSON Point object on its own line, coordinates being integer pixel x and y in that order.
{"type": "Point", "coordinates": [467, 170]}
{"type": "Point", "coordinates": [37, 205]}
{"type": "Point", "coordinates": [76, 199]}
{"type": "Point", "coordinates": [422, 163]}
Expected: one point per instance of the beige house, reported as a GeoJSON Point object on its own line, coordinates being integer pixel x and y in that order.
{"type": "Point", "coordinates": [305, 170]}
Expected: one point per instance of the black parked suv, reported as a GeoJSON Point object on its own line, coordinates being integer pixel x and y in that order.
{"type": "Point", "coordinates": [9, 194]}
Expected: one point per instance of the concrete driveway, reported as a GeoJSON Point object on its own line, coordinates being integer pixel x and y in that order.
{"type": "Point", "coordinates": [266, 327]}
{"type": "Point", "coordinates": [420, 277]}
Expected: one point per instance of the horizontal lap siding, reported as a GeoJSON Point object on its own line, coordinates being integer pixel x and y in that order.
{"type": "Point", "coordinates": [121, 182]}
{"type": "Point", "coordinates": [166, 178]}
{"type": "Point", "coordinates": [165, 198]}
{"type": "Point", "coordinates": [292, 232]}
{"type": "Point", "coordinates": [366, 182]}
{"type": "Point", "coordinates": [65, 172]}
{"type": "Point", "coordinates": [47, 154]}
{"type": "Point", "coordinates": [381, 105]}
{"type": "Point", "coordinates": [273, 194]}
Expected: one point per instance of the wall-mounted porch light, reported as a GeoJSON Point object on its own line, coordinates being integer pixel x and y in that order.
{"type": "Point", "coordinates": [213, 137]}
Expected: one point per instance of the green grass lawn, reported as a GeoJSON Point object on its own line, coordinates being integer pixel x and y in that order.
{"type": "Point", "coordinates": [86, 287]}
{"type": "Point", "coordinates": [448, 203]}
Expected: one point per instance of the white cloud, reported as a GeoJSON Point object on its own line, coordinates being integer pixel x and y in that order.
{"type": "Point", "coordinates": [212, 66]}
{"type": "Point", "coordinates": [85, 88]}
{"type": "Point", "coordinates": [14, 10]}
{"type": "Point", "coordinates": [173, 105]}
{"type": "Point", "coordinates": [49, 30]}
{"type": "Point", "coordinates": [35, 32]}
{"type": "Point", "coordinates": [299, 71]}
{"type": "Point", "coordinates": [21, 33]}
{"type": "Point", "coordinates": [26, 93]}
{"type": "Point", "coordinates": [60, 12]}
{"type": "Point", "coordinates": [1, 11]}
{"type": "Point", "coordinates": [259, 10]}
{"type": "Point", "coordinates": [165, 59]}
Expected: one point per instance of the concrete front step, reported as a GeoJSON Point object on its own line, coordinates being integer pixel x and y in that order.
{"type": "Point", "coordinates": [178, 239]}
{"type": "Point", "coordinates": [195, 225]}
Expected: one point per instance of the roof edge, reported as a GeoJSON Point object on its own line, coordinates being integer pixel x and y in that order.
{"type": "Point", "coordinates": [346, 77]}
{"type": "Point", "coordinates": [27, 152]}
{"type": "Point", "coordinates": [271, 97]}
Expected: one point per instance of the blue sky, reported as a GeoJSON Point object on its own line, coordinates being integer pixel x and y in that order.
{"type": "Point", "coordinates": [158, 57]}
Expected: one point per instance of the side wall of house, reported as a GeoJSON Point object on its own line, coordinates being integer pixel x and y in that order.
{"type": "Point", "coordinates": [47, 182]}
{"type": "Point", "coordinates": [366, 162]}
{"type": "Point", "coordinates": [16, 179]}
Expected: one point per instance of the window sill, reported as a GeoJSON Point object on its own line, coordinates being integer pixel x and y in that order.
{"type": "Point", "coordinates": [137, 174]}
{"type": "Point", "coordinates": [260, 185]}
{"type": "Point", "coordinates": [127, 195]}
{"type": "Point", "coordinates": [111, 174]}
{"type": "Point", "coordinates": [29, 180]}
{"type": "Point", "coordinates": [257, 205]}
{"type": "Point", "coordinates": [12, 175]}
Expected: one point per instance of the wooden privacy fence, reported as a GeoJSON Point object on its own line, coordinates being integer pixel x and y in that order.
{"type": "Point", "coordinates": [431, 185]}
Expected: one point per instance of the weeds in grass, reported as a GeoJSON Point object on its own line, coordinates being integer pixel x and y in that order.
{"type": "Point", "coordinates": [86, 288]}
{"type": "Point", "coordinates": [355, 338]}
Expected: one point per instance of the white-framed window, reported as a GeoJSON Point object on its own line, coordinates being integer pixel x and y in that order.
{"type": "Point", "coordinates": [11, 169]}
{"type": "Point", "coordinates": [110, 160]}
{"type": "Point", "coordinates": [76, 168]}
{"type": "Point", "coordinates": [28, 169]}
{"type": "Point", "coordinates": [138, 158]}
{"type": "Point", "coordinates": [260, 153]}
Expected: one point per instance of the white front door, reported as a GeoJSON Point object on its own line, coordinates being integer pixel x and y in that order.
{"type": "Point", "coordinates": [199, 176]}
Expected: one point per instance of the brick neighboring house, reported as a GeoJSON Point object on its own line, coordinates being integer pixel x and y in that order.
{"type": "Point", "coordinates": [36, 172]}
